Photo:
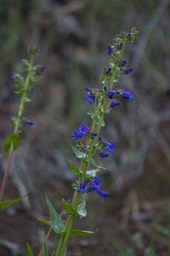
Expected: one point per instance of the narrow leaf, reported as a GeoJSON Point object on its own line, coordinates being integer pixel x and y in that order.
{"type": "Point", "coordinates": [55, 219]}
{"type": "Point", "coordinates": [75, 169]}
{"type": "Point", "coordinates": [80, 233]}
{"type": "Point", "coordinates": [45, 252]}
{"type": "Point", "coordinates": [78, 153]}
{"type": "Point", "coordinates": [82, 208]}
{"type": "Point", "coordinates": [29, 250]}
{"type": "Point", "coordinates": [96, 119]}
{"type": "Point", "coordinates": [92, 162]}
{"type": "Point", "coordinates": [8, 203]}
{"type": "Point", "coordinates": [69, 209]}
{"type": "Point", "coordinates": [46, 222]}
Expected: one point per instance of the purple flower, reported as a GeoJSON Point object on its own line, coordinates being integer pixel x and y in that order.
{"type": "Point", "coordinates": [81, 132]}
{"type": "Point", "coordinates": [127, 94]}
{"type": "Point", "coordinates": [90, 98]}
{"type": "Point", "coordinates": [92, 185]}
{"type": "Point", "coordinates": [28, 122]}
{"type": "Point", "coordinates": [114, 103]}
{"type": "Point", "coordinates": [110, 147]}
{"type": "Point", "coordinates": [124, 63]}
{"type": "Point", "coordinates": [94, 134]}
{"type": "Point", "coordinates": [127, 70]}
{"type": "Point", "coordinates": [42, 68]}
{"type": "Point", "coordinates": [82, 188]}
{"type": "Point", "coordinates": [120, 46]}
{"type": "Point", "coordinates": [95, 184]}
{"type": "Point", "coordinates": [102, 194]}
{"type": "Point", "coordinates": [109, 50]}
{"type": "Point", "coordinates": [110, 94]}
{"type": "Point", "coordinates": [103, 154]}
{"type": "Point", "coordinates": [108, 71]}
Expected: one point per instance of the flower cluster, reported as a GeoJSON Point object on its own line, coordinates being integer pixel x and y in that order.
{"type": "Point", "coordinates": [81, 132]}
{"type": "Point", "coordinates": [92, 185]}
{"type": "Point", "coordinates": [106, 148]}
{"type": "Point", "coordinates": [102, 101]}
{"type": "Point", "coordinates": [94, 94]}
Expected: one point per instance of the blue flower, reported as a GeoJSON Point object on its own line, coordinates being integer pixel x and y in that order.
{"type": "Point", "coordinates": [110, 94]}
{"type": "Point", "coordinates": [109, 147]}
{"type": "Point", "coordinates": [95, 184]}
{"type": "Point", "coordinates": [120, 46]}
{"type": "Point", "coordinates": [127, 94]}
{"type": "Point", "coordinates": [81, 132]}
{"type": "Point", "coordinates": [124, 63]}
{"type": "Point", "coordinates": [127, 70]}
{"type": "Point", "coordinates": [82, 188]}
{"type": "Point", "coordinates": [103, 154]}
{"type": "Point", "coordinates": [108, 71]}
{"type": "Point", "coordinates": [92, 185]}
{"type": "Point", "coordinates": [42, 68]}
{"type": "Point", "coordinates": [28, 122]}
{"type": "Point", "coordinates": [102, 194]}
{"type": "Point", "coordinates": [90, 98]}
{"type": "Point", "coordinates": [109, 50]}
{"type": "Point", "coordinates": [114, 103]}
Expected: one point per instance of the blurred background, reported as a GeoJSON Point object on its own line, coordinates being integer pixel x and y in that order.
{"type": "Point", "coordinates": [72, 36]}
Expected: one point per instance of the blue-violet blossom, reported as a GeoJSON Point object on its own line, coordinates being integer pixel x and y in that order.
{"type": "Point", "coordinates": [109, 50]}
{"type": "Point", "coordinates": [28, 122]}
{"type": "Point", "coordinates": [127, 94]}
{"type": "Point", "coordinates": [114, 103]}
{"type": "Point", "coordinates": [82, 188]}
{"type": "Point", "coordinates": [94, 184]}
{"type": "Point", "coordinates": [103, 154]}
{"type": "Point", "coordinates": [127, 70]}
{"type": "Point", "coordinates": [109, 147]}
{"type": "Point", "coordinates": [90, 98]}
{"type": "Point", "coordinates": [81, 132]}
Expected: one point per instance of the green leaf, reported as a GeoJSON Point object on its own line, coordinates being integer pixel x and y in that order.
{"type": "Point", "coordinates": [8, 203]}
{"type": "Point", "coordinates": [91, 173]}
{"type": "Point", "coordinates": [55, 219]}
{"type": "Point", "coordinates": [92, 162]}
{"type": "Point", "coordinates": [69, 209]}
{"type": "Point", "coordinates": [29, 250]}
{"type": "Point", "coordinates": [82, 208]}
{"type": "Point", "coordinates": [80, 233]}
{"type": "Point", "coordinates": [45, 250]}
{"type": "Point", "coordinates": [46, 222]}
{"type": "Point", "coordinates": [96, 119]}
{"type": "Point", "coordinates": [75, 169]}
{"type": "Point", "coordinates": [12, 140]}
{"type": "Point", "coordinates": [77, 152]}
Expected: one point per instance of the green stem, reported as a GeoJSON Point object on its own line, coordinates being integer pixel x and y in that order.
{"type": "Point", "coordinates": [16, 130]}
{"type": "Point", "coordinates": [63, 241]}
{"type": "Point", "coordinates": [23, 99]}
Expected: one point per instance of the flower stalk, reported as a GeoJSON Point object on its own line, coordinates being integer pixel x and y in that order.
{"type": "Point", "coordinates": [89, 143]}
{"type": "Point", "coordinates": [23, 84]}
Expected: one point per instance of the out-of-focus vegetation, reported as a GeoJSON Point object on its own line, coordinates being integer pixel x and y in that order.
{"type": "Point", "coordinates": [72, 37]}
